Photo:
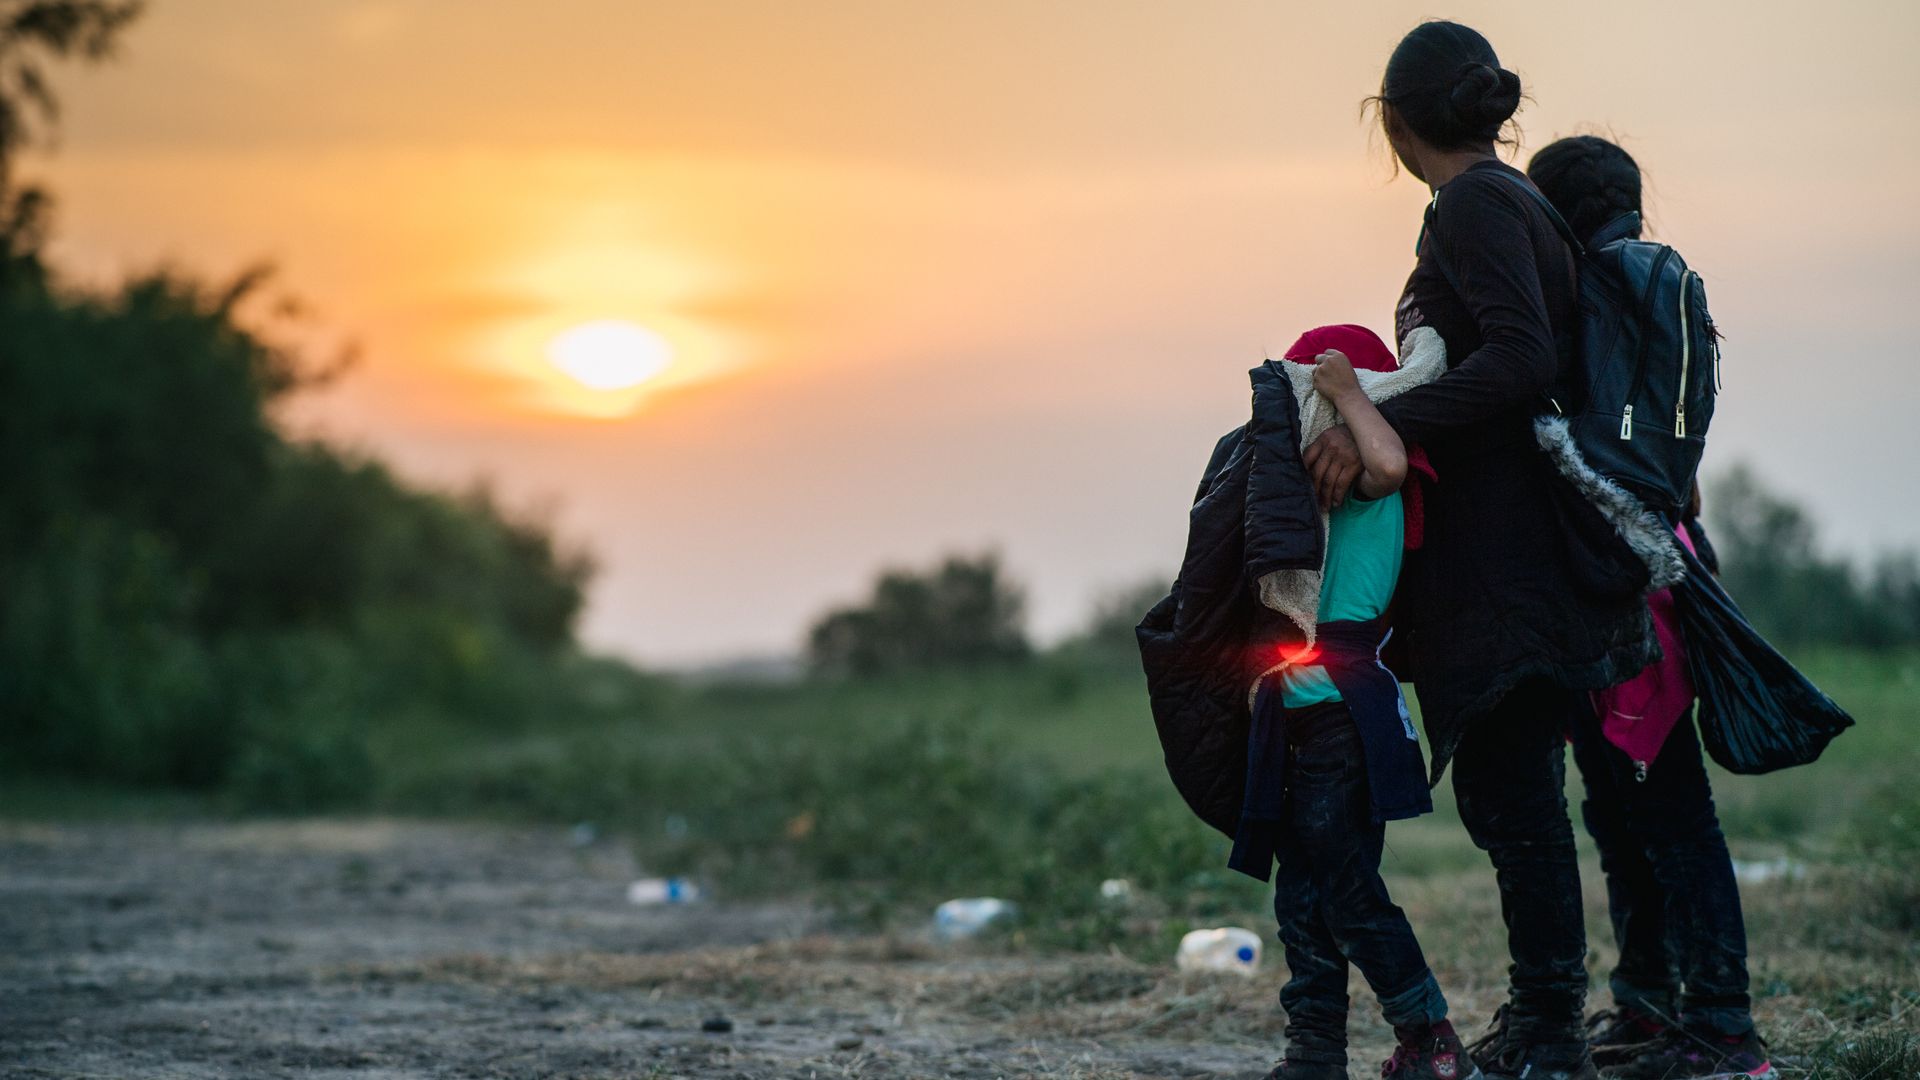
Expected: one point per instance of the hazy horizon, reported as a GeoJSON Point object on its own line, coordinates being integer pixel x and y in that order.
{"type": "Point", "coordinates": [942, 278]}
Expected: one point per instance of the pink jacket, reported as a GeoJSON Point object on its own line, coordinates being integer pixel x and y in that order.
{"type": "Point", "coordinates": [1639, 714]}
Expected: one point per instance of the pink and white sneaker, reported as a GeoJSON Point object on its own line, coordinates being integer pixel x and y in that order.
{"type": "Point", "coordinates": [1430, 1053]}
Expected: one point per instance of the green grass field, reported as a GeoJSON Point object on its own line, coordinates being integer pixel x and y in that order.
{"type": "Point", "coordinates": [727, 759]}
{"type": "Point", "coordinates": [1083, 721]}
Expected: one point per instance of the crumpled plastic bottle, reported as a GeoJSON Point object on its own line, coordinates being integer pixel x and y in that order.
{"type": "Point", "coordinates": [967, 916]}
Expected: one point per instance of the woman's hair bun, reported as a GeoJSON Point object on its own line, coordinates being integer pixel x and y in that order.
{"type": "Point", "coordinates": [1485, 95]}
{"type": "Point", "coordinates": [1446, 83]}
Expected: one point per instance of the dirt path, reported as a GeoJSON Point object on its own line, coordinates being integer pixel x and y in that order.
{"type": "Point", "coordinates": [385, 950]}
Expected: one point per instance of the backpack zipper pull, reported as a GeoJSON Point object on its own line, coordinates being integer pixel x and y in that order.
{"type": "Point", "coordinates": [1686, 359]}
{"type": "Point", "coordinates": [1626, 423]}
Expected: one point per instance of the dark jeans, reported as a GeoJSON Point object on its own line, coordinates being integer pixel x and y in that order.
{"type": "Point", "coordinates": [1509, 778]}
{"type": "Point", "coordinates": [1332, 906]}
{"type": "Point", "coordinates": [1670, 886]}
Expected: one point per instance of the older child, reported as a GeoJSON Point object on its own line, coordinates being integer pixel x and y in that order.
{"type": "Point", "coordinates": [1681, 1007]}
{"type": "Point", "coordinates": [1351, 762]}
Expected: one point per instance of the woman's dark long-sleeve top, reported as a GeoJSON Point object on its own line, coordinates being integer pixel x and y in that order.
{"type": "Point", "coordinates": [1517, 577]}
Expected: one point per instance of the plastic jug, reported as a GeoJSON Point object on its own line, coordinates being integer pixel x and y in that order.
{"type": "Point", "coordinates": [1227, 948]}
{"type": "Point", "coordinates": [668, 890]}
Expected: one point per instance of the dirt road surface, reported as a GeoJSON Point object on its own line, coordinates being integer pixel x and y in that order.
{"type": "Point", "coordinates": [374, 949]}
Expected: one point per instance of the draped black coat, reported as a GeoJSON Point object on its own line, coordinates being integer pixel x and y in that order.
{"type": "Point", "coordinates": [1205, 643]}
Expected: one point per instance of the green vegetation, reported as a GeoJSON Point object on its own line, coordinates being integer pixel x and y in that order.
{"type": "Point", "coordinates": [1772, 564]}
{"type": "Point", "coordinates": [194, 600]}
{"type": "Point", "coordinates": [723, 773]}
{"type": "Point", "coordinates": [961, 613]}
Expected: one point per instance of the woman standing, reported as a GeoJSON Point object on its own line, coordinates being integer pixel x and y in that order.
{"type": "Point", "coordinates": [1522, 598]}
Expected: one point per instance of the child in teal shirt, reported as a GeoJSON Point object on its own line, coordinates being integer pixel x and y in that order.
{"type": "Point", "coordinates": [1331, 903]}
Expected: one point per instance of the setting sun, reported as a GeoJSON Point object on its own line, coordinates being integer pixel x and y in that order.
{"type": "Point", "coordinates": [610, 354]}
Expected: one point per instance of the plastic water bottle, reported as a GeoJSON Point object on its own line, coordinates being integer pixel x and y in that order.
{"type": "Point", "coordinates": [669, 890]}
{"type": "Point", "coordinates": [965, 917]}
{"type": "Point", "coordinates": [1228, 948]}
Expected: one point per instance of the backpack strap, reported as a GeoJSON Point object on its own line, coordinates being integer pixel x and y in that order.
{"type": "Point", "coordinates": [1559, 223]}
{"type": "Point", "coordinates": [1624, 227]}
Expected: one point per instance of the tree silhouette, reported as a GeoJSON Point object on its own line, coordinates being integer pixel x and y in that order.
{"type": "Point", "coordinates": [962, 612]}
{"type": "Point", "coordinates": [1772, 563]}
{"type": "Point", "coordinates": [34, 33]}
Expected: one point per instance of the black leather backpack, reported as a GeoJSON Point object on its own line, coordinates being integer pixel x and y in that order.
{"type": "Point", "coordinates": [1645, 365]}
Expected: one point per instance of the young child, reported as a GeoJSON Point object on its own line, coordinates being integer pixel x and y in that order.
{"type": "Point", "coordinates": [1681, 1006]}
{"type": "Point", "coordinates": [1351, 762]}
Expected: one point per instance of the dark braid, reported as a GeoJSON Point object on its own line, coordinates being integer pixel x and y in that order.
{"type": "Point", "coordinates": [1589, 180]}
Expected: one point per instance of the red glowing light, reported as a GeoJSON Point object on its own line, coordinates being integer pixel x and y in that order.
{"type": "Point", "coordinates": [1299, 654]}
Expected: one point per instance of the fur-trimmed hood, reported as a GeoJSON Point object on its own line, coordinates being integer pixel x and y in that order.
{"type": "Point", "coordinates": [1651, 539]}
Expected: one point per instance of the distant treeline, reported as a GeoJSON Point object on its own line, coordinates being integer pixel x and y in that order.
{"type": "Point", "coordinates": [967, 611]}
{"type": "Point", "coordinates": [188, 597]}
{"type": "Point", "coordinates": [1770, 561]}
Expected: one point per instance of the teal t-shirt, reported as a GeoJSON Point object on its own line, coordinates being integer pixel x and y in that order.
{"type": "Point", "coordinates": [1365, 539]}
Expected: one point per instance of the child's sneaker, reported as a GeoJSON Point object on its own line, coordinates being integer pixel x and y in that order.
{"type": "Point", "coordinates": [1617, 1035]}
{"type": "Point", "coordinates": [1686, 1055]}
{"type": "Point", "coordinates": [1289, 1069]}
{"type": "Point", "coordinates": [1429, 1053]}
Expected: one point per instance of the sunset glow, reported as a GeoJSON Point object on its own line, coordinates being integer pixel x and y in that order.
{"type": "Point", "coordinates": [610, 354]}
{"type": "Point", "coordinates": [886, 284]}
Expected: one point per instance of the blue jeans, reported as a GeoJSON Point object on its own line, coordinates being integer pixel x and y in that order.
{"type": "Point", "coordinates": [1332, 906]}
{"type": "Point", "coordinates": [1670, 887]}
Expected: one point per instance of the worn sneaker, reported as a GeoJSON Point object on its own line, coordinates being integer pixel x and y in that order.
{"type": "Point", "coordinates": [1487, 1048]}
{"type": "Point", "coordinates": [1430, 1052]}
{"type": "Point", "coordinates": [1617, 1035]}
{"type": "Point", "coordinates": [1680, 1054]}
{"type": "Point", "coordinates": [1307, 1070]}
{"type": "Point", "coordinates": [1501, 1056]}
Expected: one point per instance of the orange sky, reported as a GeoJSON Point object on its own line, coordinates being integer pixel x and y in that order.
{"type": "Point", "coordinates": [948, 275]}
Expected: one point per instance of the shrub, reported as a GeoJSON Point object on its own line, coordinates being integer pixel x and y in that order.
{"type": "Point", "coordinates": [193, 600]}
{"type": "Point", "coordinates": [962, 612]}
{"type": "Point", "coordinates": [101, 672]}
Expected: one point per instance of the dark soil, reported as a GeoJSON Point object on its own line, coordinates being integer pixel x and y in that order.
{"type": "Point", "coordinates": [384, 949]}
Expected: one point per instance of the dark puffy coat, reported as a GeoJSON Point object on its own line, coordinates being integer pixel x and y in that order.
{"type": "Point", "coordinates": [1206, 642]}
